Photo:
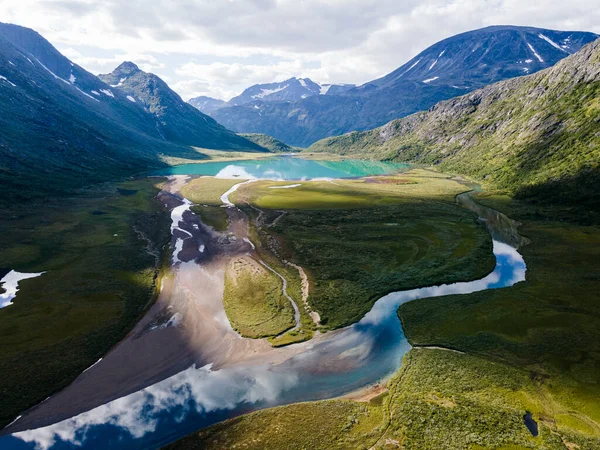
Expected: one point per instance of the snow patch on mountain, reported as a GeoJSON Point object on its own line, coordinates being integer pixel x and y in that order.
{"type": "Point", "coordinates": [265, 92]}
{"type": "Point", "coordinates": [552, 43]}
{"type": "Point", "coordinates": [3, 78]}
{"type": "Point", "coordinates": [535, 53]}
{"type": "Point", "coordinates": [429, 80]}
{"type": "Point", "coordinates": [107, 92]}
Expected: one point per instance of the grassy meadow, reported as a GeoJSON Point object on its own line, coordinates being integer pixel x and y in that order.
{"type": "Point", "coordinates": [253, 300]}
{"type": "Point", "coordinates": [95, 248]}
{"type": "Point", "coordinates": [407, 230]}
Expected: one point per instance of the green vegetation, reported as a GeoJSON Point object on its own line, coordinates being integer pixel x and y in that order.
{"type": "Point", "coordinates": [100, 250]}
{"type": "Point", "coordinates": [319, 425]}
{"type": "Point", "coordinates": [254, 301]}
{"type": "Point", "coordinates": [207, 190]}
{"type": "Point", "coordinates": [549, 325]}
{"type": "Point", "coordinates": [407, 230]}
{"type": "Point", "coordinates": [536, 136]}
{"type": "Point", "coordinates": [268, 142]}
{"type": "Point", "coordinates": [213, 216]}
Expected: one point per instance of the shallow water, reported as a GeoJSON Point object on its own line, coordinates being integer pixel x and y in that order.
{"type": "Point", "coordinates": [348, 359]}
{"type": "Point", "coordinates": [285, 168]}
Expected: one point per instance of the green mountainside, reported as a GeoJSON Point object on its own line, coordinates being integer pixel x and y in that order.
{"type": "Point", "coordinates": [63, 128]}
{"type": "Point", "coordinates": [536, 136]}
{"type": "Point", "coordinates": [268, 142]}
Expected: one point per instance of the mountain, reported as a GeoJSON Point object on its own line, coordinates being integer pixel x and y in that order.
{"type": "Point", "coordinates": [536, 136]}
{"type": "Point", "coordinates": [176, 120]}
{"type": "Point", "coordinates": [449, 68]}
{"type": "Point", "coordinates": [206, 104]}
{"type": "Point", "coordinates": [63, 127]}
{"type": "Point", "coordinates": [268, 142]}
{"type": "Point", "coordinates": [290, 90]}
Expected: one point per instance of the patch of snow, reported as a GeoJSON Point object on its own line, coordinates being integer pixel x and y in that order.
{"type": "Point", "coordinates": [285, 187]}
{"type": "Point", "coordinates": [256, 107]}
{"type": "Point", "coordinates": [529, 61]}
{"type": "Point", "coordinates": [436, 60]}
{"type": "Point", "coordinates": [232, 189]}
{"type": "Point", "coordinates": [551, 42]}
{"type": "Point", "coordinates": [92, 365]}
{"type": "Point", "coordinates": [535, 53]}
{"type": "Point", "coordinates": [429, 80]}
{"type": "Point", "coordinates": [324, 89]}
{"type": "Point", "coordinates": [120, 83]}
{"type": "Point", "coordinates": [11, 63]}
{"type": "Point", "coordinates": [130, 98]}
{"type": "Point", "coordinates": [52, 73]}
{"type": "Point", "coordinates": [201, 248]}
{"type": "Point", "coordinates": [411, 67]}
{"type": "Point", "coordinates": [302, 82]}
{"type": "Point", "coordinates": [72, 78]}
{"type": "Point", "coordinates": [526, 69]}
{"type": "Point", "coordinates": [8, 81]}
{"type": "Point", "coordinates": [249, 242]}
{"type": "Point", "coordinates": [107, 92]}
{"type": "Point", "coordinates": [10, 283]}
{"type": "Point", "coordinates": [303, 96]}
{"type": "Point", "coordinates": [266, 92]}
{"type": "Point", "coordinates": [87, 95]}
{"type": "Point", "coordinates": [96, 93]}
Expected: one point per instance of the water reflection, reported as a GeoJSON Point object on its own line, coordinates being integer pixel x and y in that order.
{"type": "Point", "coordinates": [285, 168]}
{"type": "Point", "coordinates": [197, 397]}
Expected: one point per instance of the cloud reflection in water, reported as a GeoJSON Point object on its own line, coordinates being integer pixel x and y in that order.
{"type": "Point", "coordinates": [348, 359]}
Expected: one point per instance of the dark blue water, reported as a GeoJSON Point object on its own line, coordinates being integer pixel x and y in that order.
{"type": "Point", "coordinates": [285, 168]}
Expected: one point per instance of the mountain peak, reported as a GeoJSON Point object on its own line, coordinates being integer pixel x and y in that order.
{"type": "Point", "coordinates": [127, 68]}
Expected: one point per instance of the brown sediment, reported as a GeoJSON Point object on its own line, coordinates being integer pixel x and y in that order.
{"type": "Point", "coordinates": [367, 393]}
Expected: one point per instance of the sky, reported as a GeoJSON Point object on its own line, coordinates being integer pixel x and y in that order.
{"type": "Point", "coordinates": [220, 47]}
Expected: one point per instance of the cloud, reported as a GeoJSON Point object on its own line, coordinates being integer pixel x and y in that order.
{"type": "Point", "coordinates": [219, 48]}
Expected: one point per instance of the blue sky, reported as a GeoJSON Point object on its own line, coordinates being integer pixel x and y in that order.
{"type": "Point", "coordinates": [220, 47]}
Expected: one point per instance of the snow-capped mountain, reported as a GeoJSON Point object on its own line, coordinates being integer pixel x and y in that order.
{"type": "Point", "coordinates": [447, 69]}
{"type": "Point", "coordinates": [291, 90]}
{"type": "Point", "coordinates": [207, 104]}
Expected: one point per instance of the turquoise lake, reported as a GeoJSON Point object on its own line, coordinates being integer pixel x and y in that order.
{"type": "Point", "coordinates": [285, 168]}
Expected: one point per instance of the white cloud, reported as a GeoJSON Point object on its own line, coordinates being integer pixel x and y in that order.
{"type": "Point", "coordinates": [219, 48]}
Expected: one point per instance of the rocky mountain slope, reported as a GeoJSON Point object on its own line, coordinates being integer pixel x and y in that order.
{"type": "Point", "coordinates": [537, 136]}
{"type": "Point", "coordinates": [206, 104]}
{"type": "Point", "coordinates": [447, 69]}
{"type": "Point", "coordinates": [290, 90]}
{"type": "Point", "coordinates": [176, 120]}
{"type": "Point", "coordinates": [62, 127]}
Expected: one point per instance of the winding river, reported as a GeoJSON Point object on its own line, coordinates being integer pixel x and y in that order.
{"type": "Point", "coordinates": [344, 361]}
